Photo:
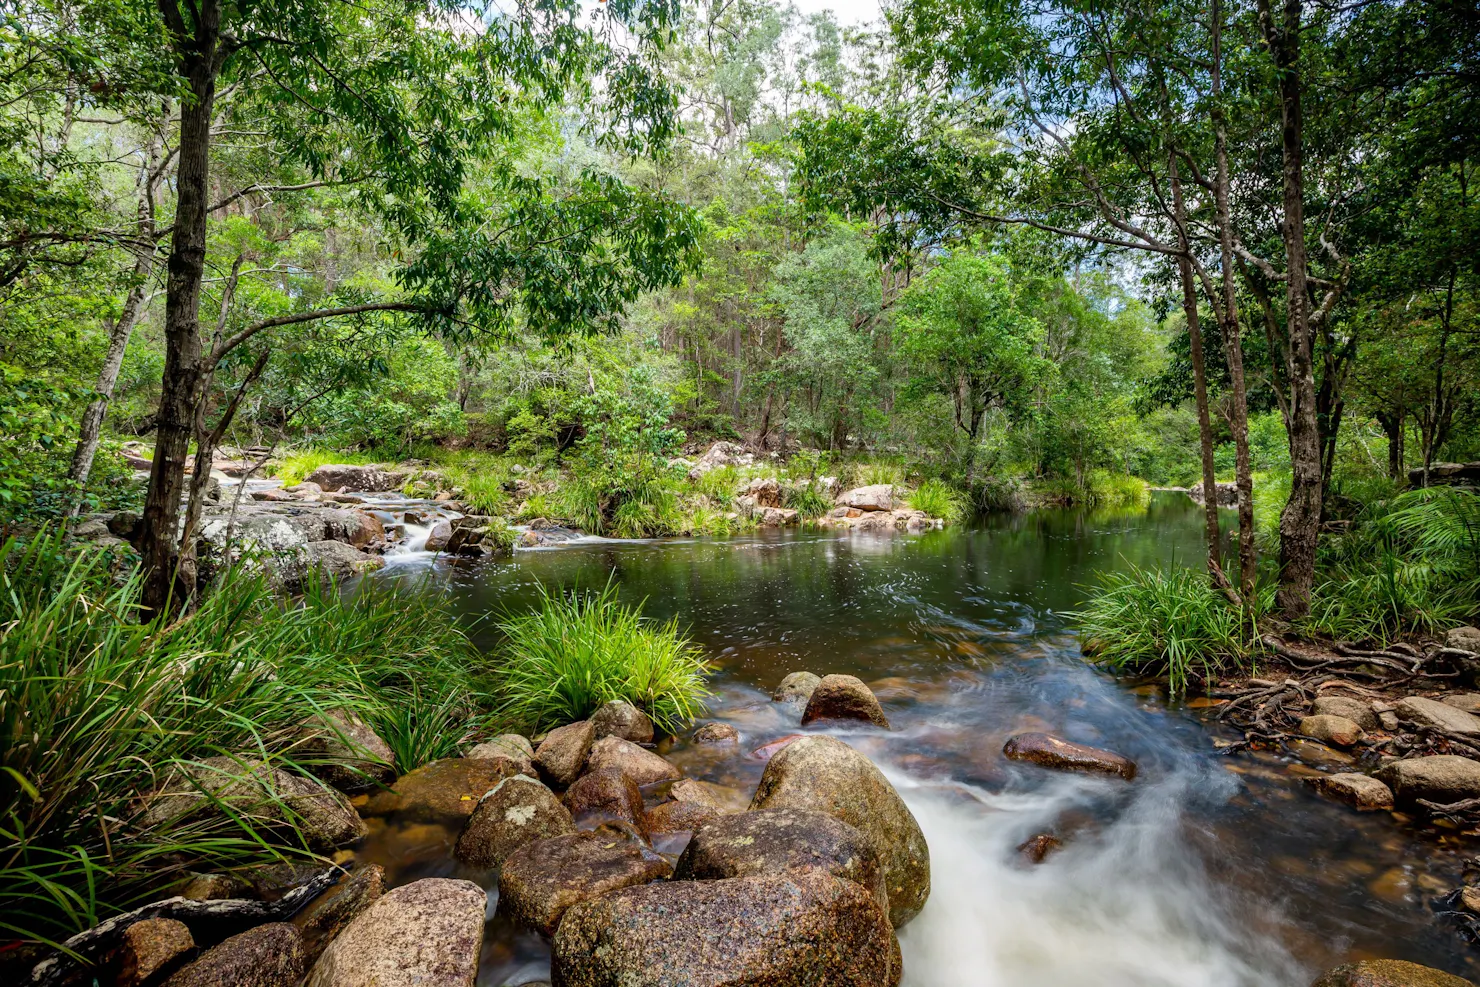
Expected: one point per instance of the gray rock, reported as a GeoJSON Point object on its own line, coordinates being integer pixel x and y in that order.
{"type": "Point", "coordinates": [1440, 778]}
{"type": "Point", "coordinates": [778, 517]}
{"type": "Point", "coordinates": [796, 688]}
{"type": "Point", "coordinates": [1388, 973]}
{"type": "Point", "coordinates": [517, 811]}
{"type": "Point", "coordinates": [822, 774]}
{"type": "Point", "coordinates": [151, 949]}
{"type": "Point", "coordinates": [340, 748]}
{"type": "Point", "coordinates": [1062, 755]}
{"type": "Point", "coordinates": [879, 497]}
{"type": "Point", "coordinates": [844, 697]}
{"type": "Point", "coordinates": [716, 733]}
{"type": "Point", "coordinates": [540, 880]}
{"type": "Point", "coordinates": [562, 754]}
{"type": "Point", "coordinates": [1467, 701]}
{"type": "Point", "coordinates": [642, 766]}
{"type": "Point", "coordinates": [624, 721]}
{"type": "Point", "coordinates": [1360, 791]}
{"type": "Point", "coordinates": [605, 795]}
{"type": "Point", "coordinates": [346, 478]}
{"type": "Point", "coordinates": [337, 908]}
{"type": "Point", "coordinates": [424, 934]}
{"type": "Point", "coordinates": [510, 747]}
{"type": "Point", "coordinates": [1460, 638]}
{"type": "Point", "coordinates": [1355, 710]}
{"type": "Point", "coordinates": [1331, 729]}
{"type": "Point", "coordinates": [267, 956]}
{"type": "Point", "coordinates": [811, 928]}
{"type": "Point", "coordinates": [1431, 712]}
{"type": "Point", "coordinates": [442, 791]}
{"type": "Point", "coordinates": [782, 841]}
{"type": "Point", "coordinates": [439, 535]}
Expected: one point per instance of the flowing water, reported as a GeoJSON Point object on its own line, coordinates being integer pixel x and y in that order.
{"type": "Point", "coordinates": [1207, 871]}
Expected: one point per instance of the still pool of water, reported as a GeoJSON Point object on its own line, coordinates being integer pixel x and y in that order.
{"type": "Point", "coordinates": [1207, 871]}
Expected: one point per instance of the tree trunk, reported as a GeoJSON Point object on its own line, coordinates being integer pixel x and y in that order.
{"type": "Point", "coordinates": [180, 395]}
{"type": "Point", "coordinates": [1392, 427]}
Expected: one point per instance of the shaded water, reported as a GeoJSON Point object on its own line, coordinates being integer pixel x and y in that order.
{"type": "Point", "coordinates": [1207, 871]}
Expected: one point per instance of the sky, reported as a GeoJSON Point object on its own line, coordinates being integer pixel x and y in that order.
{"type": "Point", "coordinates": [847, 12]}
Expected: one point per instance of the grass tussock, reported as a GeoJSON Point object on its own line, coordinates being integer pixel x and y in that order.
{"type": "Point", "coordinates": [580, 650]}
{"type": "Point", "coordinates": [939, 500]}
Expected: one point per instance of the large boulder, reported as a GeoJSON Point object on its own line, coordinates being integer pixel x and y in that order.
{"type": "Point", "coordinates": [642, 766]}
{"type": "Point", "coordinates": [562, 754]}
{"type": "Point", "coordinates": [255, 789]}
{"type": "Point", "coordinates": [605, 795]}
{"type": "Point", "coordinates": [267, 956]}
{"type": "Point", "coordinates": [1433, 713]}
{"type": "Point", "coordinates": [796, 688]}
{"type": "Point", "coordinates": [721, 454]}
{"type": "Point", "coordinates": [340, 748]}
{"type": "Point", "coordinates": [479, 537]}
{"type": "Point", "coordinates": [762, 491]}
{"type": "Point", "coordinates": [777, 517]}
{"type": "Point", "coordinates": [782, 841]}
{"type": "Point", "coordinates": [441, 791]}
{"type": "Point", "coordinates": [346, 478]}
{"type": "Point", "coordinates": [1459, 638]}
{"type": "Point", "coordinates": [438, 535]}
{"type": "Point", "coordinates": [151, 949]}
{"type": "Point", "coordinates": [823, 774]}
{"type": "Point", "coordinates": [540, 880]}
{"type": "Point", "coordinates": [844, 697]}
{"type": "Point", "coordinates": [1439, 778]}
{"type": "Point", "coordinates": [1062, 755]}
{"type": "Point", "coordinates": [1388, 973]}
{"type": "Point", "coordinates": [517, 811]}
{"type": "Point", "coordinates": [624, 721]}
{"type": "Point", "coordinates": [322, 921]}
{"type": "Point", "coordinates": [424, 934]}
{"type": "Point", "coordinates": [879, 497]}
{"type": "Point", "coordinates": [764, 931]}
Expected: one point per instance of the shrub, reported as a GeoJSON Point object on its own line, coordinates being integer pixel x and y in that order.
{"type": "Point", "coordinates": [940, 500]}
{"type": "Point", "coordinates": [580, 650]}
{"type": "Point", "coordinates": [1171, 623]}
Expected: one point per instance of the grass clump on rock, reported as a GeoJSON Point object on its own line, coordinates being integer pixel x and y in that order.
{"type": "Point", "coordinates": [578, 651]}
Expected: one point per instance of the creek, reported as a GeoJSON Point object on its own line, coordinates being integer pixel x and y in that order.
{"type": "Point", "coordinates": [1206, 871]}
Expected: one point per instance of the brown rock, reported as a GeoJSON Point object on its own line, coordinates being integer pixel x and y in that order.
{"type": "Point", "coordinates": [370, 533]}
{"type": "Point", "coordinates": [782, 841]}
{"type": "Point", "coordinates": [678, 817]}
{"type": "Point", "coordinates": [809, 928]}
{"type": "Point", "coordinates": [1039, 847]}
{"type": "Point", "coordinates": [822, 774]}
{"type": "Point", "coordinates": [721, 797]}
{"type": "Point", "coordinates": [517, 811]}
{"type": "Point", "coordinates": [844, 697]}
{"type": "Point", "coordinates": [151, 949]}
{"type": "Point", "coordinates": [424, 934]}
{"type": "Point", "coordinates": [503, 749]}
{"type": "Point", "coordinates": [540, 880]}
{"type": "Point", "coordinates": [211, 887]}
{"type": "Point", "coordinates": [1331, 729]}
{"type": "Point", "coordinates": [438, 535]}
{"type": "Point", "coordinates": [796, 688]}
{"type": "Point", "coordinates": [267, 956]}
{"type": "Point", "coordinates": [1051, 752]}
{"type": "Point", "coordinates": [1440, 778]}
{"type": "Point", "coordinates": [767, 751]}
{"type": "Point", "coordinates": [341, 905]}
{"type": "Point", "coordinates": [1358, 790]}
{"type": "Point", "coordinates": [1467, 701]}
{"type": "Point", "coordinates": [622, 720]}
{"type": "Point", "coordinates": [442, 791]}
{"type": "Point", "coordinates": [1355, 710]}
{"type": "Point", "coordinates": [642, 766]}
{"type": "Point", "coordinates": [1388, 973]}
{"type": "Point", "coordinates": [1431, 712]}
{"type": "Point", "coordinates": [340, 748]}
{"type": "Point", "coordinates": [605, 795]}
{"type": "Point", "coordinates": [879, 497]}
{"type": "Point", "coordinates": [562, 754]}
{"type": "Point", "coordinates": [716, 733]}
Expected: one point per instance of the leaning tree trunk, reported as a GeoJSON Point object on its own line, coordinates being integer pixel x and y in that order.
{"type": "Point", "coordinates": [159, 541]}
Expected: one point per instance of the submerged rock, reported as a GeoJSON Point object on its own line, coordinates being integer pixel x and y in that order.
{"type": "Point", "coordinates": [624, 721]}
{"type": "Point", "coordinates": [603, 795]}
{"type": "Point", "coordinates": [1388, 973]}
{"type": "Point", "coordinates": [1358, 790]}
{"type": "Point", "coordinates": [517, 811]}
{"type": "Point", "coordinates": [1051, 752]}
{"type": "Point", "coordinates": [642, 766]}
{"type": "Point", "coordinates": [774, 929]}
{"type": "Point", "coordinates": [267, 956]}
{"type": "Point", "coordinates": [1439, 778]}
{"type": "Point", "coordinates": [767, 751]}
{"type": "Point", "coordinates": [678, 817]}
{"type": "Point", "coordinates": [822, 774]}
{"type": "Point", "coordinates": [442, 791]}
{"type": "Point", "coordinates": [540, 880]}
{"type": "Point", "coordinates": [796, 688]}
{"type": "Point", "coordinates": [151, 949]}
{"type": "Point", "coordinates": [424, 934]}
{"type": "Point", "coordinates": [341, 905]}
{"type": "Point", "coordinates": [716, 733]}
{"type": "Point", "coordinates": [1037, 849]}
{"type": "Point", "coordinates": [562, 754]}
{"type": "Point", "coordinates": [1331, 729]}
{"type": "Point", "coordinates": [782, 841]}
{"type": "Point", "coordinates": [844, 697]}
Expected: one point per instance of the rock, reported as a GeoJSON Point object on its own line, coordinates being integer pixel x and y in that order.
{"type": "Point", "coordinates": [540, 880]}
{"type": "Point", "coordinates": [151, 949]}
{"type": "Point", "coordinates": [424, 934]}
{"type": "Point", "coordinates": [879, 497]}
{"type": "Point", "coordinates": [479, 537]}
{"type": "Point", "coordinates": [1037, 849]}
{"type": "Point", "coordinates": [844, 697]}
{"type": "Point", "coordinates": [782, 841]}
{"type": "Point", "coordinates": [678, 817]}
{"type": "Point", "coordinates": [439, 535]}
{"type": "Point", "coordinates": [716, 733]}
{"type": "Point", "coordinates": [211, 887]}
{"type": "Point", "coordinates": [1459, 638]}
{"type": "Point", "coordinates": [509, 747]}
{"type": "Point", "coordinates": [562, 754]}
{"type": "Point", "coordinates": [763, 492]}
{"type": "Point", "coordinates": [721, 454]}
{"type": "Point", "coordinates": [603, 795]}
{"type": "Point", "coordinates": [305, 489]}
{"type": "Point", "coordinates": [336, 560]}
{"type": "Point", "coordinates": [1431, 712]}
{"type": "Point", "coordinates": [1441, 778]}
{"type": "Point", "coordinates": [624, 721]}
{"type": "Point", "coordinates": [722, 797]}
{"type": "Point", "coordinates": [442, 791]}
{"type": "Point", "coordinates": [1467, 701]}
{"type": "Point", "coordinates": [1361, 791]}
{"type": "Point", "coordinates": [767, 751]}
{"type": "Point", "coordinates": [125, 524]}
{"type": "Point", "coordinates": [1227, 494]}
{"type": "Point", "coordinates": [796, 688]}
{"type": "Point", "coordinates": [344, 478]}
{"type": "Point", "coordinates": [1051, 752]}
{"type": "Point", "coordinates": [781, 930]}
{"type": "Point", "coordinates": [517, 811]}
{"type": "Point", "coordinates": [1388, 973]}
{"type": "Point", "coordinates": [1355, 710]}
{"type": "Point", "coordinates": [642, 766]}
{"type": "Point", "coordinates": [778, 517]}
{"type": "Point", "coordinates": [1331, 729]}
{"type": "Point", "coordinates": [340, 748]}
{"type": "Point", "coordinates": [253, 788]}
{"type": "Point", "coordinates": [823, 774]}
{"type": "Point", "coordinates": [327, 917]}
{"type": "Point", "coordinates": [267, 956]}
{"type": "Point", "coordinates": [1464, 474]}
